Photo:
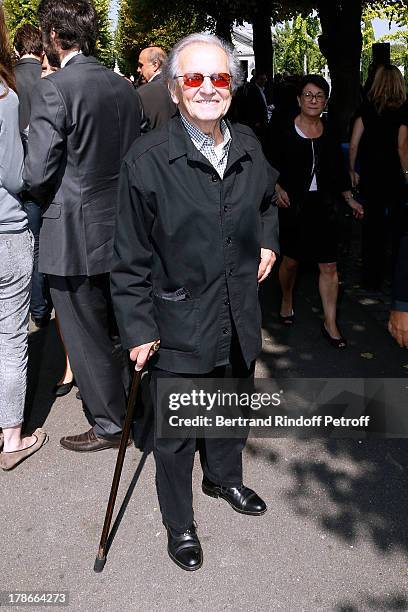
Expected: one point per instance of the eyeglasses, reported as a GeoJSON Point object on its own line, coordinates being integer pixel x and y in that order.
{"type": "Point", "coordinates": [319, 97]}
{"type": "Point", "coordinates": [196, 79]}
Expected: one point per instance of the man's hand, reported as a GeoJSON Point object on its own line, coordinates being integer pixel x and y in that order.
{"type": "Point", "coordinates": [398, 327]}
{"type": "Point", "coordinates": [141, 354]}
{"type": "Point", "coordinates": [268, 258]}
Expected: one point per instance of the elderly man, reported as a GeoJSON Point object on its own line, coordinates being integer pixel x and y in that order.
{"type": "Point", "coordinates": [150, 63]}
{"type": "Point", "coordinates": [196, 233]}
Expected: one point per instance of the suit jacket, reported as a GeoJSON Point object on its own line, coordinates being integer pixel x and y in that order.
{"type": "Point", "coordinates": [181, 234]}
{"type": "Point", "coordinates": [83, 120]}
{"type": "Point", "coordinates": [28, 73]}
{"type": "Point", "coordinates": [157, 105]}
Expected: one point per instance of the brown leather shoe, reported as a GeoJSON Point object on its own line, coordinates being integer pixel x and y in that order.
{"type": "Point", "coordinates": [89, 442]}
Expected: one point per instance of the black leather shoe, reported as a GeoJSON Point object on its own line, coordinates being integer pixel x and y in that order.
{"type": "Point", "coordinates": [242, 499]}
{"type": "Point", "coordinates": [64, 389]}
{"type": "Point", "coordinates": [185, 548]}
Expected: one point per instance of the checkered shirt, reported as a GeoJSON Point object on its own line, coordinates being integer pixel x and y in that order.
{"type": "Point", "coordinates": [216, 155]}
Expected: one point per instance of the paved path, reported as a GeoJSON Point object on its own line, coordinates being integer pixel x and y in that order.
{"type": "Point", "coordinates": [335, 536]}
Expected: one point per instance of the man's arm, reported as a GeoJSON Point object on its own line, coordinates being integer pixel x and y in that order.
{"type": "Point", "coordinates": [46, 142]}
{"type": "Point", "coordinates": [145, 126]}
{"type": "Point", "coordinates": [131, 284]}
{"type": "Point", "coordinates": [270, 227]}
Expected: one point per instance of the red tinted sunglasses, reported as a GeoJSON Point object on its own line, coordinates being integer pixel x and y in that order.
{"type": "Point", "coordinates": [196, 79]}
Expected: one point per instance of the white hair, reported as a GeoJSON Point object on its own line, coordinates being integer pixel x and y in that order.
{"type": "Point", "coordinates": [172, 67]}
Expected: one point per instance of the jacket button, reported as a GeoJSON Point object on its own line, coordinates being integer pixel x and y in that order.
{"type": "Point", "coordinates": [229, 240]}
{"type": "Point", "coordinates": [226, 302]}
{"type": "Point", "coordinates": [225, 208]}
{"type": "Point", "coordinates": [214, 178]}
{"type": "Point", "coordinates": [225, 330]}
{"type": "Point", "coordinates": [230, 272]}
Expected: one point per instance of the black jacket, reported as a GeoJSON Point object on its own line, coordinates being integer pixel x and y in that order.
{"type": "Point", "coordinates": [83, 120]}
{"type": "Point", "coordinates": [157, 105]}
{"type": "Point", "coordinates": [181, 233]}
{"type": "Point", "coordinates": [28, 73]}
{"type": "Point", "coordinates": [292, 156]}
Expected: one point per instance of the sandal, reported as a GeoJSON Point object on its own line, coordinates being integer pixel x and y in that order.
{"type": "Point", "coordinates": [287, 319]}
{"type": "Point", "coordinates": [9, 460]}
{"type": "Point", "coordinates": [339, 343]}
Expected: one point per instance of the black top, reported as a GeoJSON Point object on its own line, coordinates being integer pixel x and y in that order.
{"type": "Point", "coordinates": [378, 150]}
{"type": "Point", "coordinates": [292, 156]}
{"type": "Point", "coordinates": [157, 105]}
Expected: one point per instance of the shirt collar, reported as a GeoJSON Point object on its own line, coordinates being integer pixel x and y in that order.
{"type": "Point", "coordinates": [200, 139]}
{"type": "Point", "coordinates": [156, 74]}
{"type": "Point", "coordinates": [69, 56]}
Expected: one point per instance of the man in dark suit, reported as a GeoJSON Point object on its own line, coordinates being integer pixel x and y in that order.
{"type": "Point", "coordinates": [157, 105]}
{"type": "Point", "coordinates": [257, 105]}
{"type": "Point", "coordinates": [84, 119]}
{"type": "Point", "coordinates": [196, 233]}
{"type": "Point", "coordinates": [29, 48]}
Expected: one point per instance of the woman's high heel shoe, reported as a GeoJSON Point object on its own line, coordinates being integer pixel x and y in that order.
{"type": "Point", "coordinates": [64, 389]}
{"type": "Point", "coordinates": [339, 343]}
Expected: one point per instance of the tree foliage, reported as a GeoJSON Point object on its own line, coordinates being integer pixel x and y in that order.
{"type": "Point", "coordinates": [296, 49]}
{"type": "Point", "coordinates": [396, 12]}
{"type": "Point", "coordinates": [142, 23]}
{"type": "Point", "coordinates": [19, 12]}
{"type": "Point", "coordinates": [368, 40]}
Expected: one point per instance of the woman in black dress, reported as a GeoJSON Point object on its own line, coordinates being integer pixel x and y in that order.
{"type": "Point", "coordinates": [312, 174]}
{"type": "Point", "coordinates": [378, 136]}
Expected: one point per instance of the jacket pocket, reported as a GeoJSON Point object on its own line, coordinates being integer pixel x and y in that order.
{"type": "Point", "coordinates": [52, 212]}
{"type": "Point", "coordinates": [178, 323]}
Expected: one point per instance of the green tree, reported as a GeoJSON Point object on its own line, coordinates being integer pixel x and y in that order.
{"type": "Point", "coordinates": [296, 47]}
{"type": "Point", "coordinates": [368, 40]}
{"type": "Point", "coordinates": [105, 48]}
{"type": "Point", "coordinates": [141, 24]}
{"type": "Point", "coordinates": [19, 12]}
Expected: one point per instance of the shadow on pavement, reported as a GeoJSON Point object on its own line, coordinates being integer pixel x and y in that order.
{"type": "Point", "coordinates": [46, 362]}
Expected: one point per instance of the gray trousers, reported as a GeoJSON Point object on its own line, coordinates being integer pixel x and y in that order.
{"type": "Point", "coordinates": [16, 266]}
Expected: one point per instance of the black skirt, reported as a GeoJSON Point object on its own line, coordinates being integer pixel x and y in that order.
{"type": "Point", "coordinates": [308, 230]}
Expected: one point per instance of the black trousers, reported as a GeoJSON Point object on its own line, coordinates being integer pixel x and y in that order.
{"type": "Point", "coordinates": [382, 227]}
{"type": "Point", "coordinates": [221, 459]}
{"type": "Point", "coordinates": [84, 310]}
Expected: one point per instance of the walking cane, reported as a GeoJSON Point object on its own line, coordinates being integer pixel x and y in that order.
{"type": "Point", "coordinates": [101, 556]}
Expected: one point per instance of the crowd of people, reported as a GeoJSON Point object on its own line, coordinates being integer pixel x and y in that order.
{"type": "Point", "coordinates": [147, 219]}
